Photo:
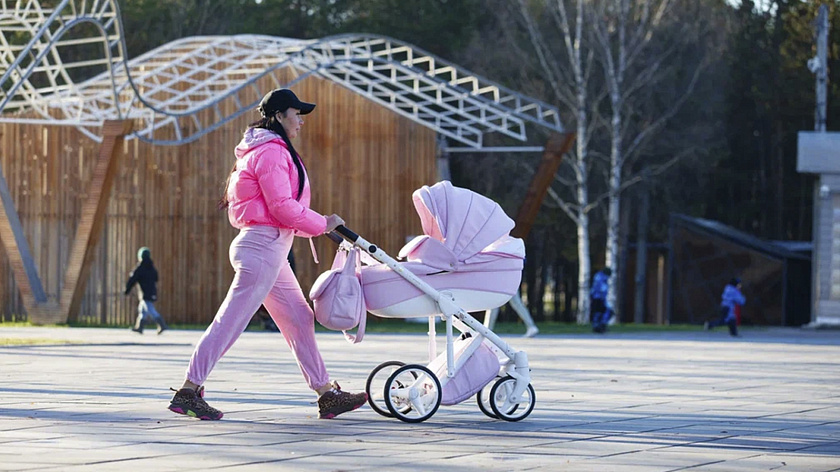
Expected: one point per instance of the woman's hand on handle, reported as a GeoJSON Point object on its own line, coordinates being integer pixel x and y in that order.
{"type": "Point", "coordinates": [333, 221]}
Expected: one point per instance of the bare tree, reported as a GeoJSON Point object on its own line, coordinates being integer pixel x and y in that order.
{"type": "Point", "coordinates": [616, 69]}
{"type": "Point", "coordinates": [637, 49]}
{"type": "Point", "coordinates": [567, 70]}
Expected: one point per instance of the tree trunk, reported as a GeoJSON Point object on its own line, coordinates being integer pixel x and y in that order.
{"type": "Point", "coordinates": [613, 213]}
{"type": "Point", "coordinates": [578, 101]}
{"type": "Point", "coordinates": [571, 300]}
{"type": "Point", "coordinates": [583, 257]}
{"type": "Point", "coordinates": [585, 269]}
{"type": "Point", "coordinates": [615, 79]}
{"type": "Point", "coordinates": [641, 252]}
{"type": "Point", "coordinates": [558, 285]}
{"type": "Point", "coordinates": [530, 278]}
{"type": "Point", "coordinates": [539, 312]}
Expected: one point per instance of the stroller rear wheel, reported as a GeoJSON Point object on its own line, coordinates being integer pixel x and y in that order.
{"type": "Point", "coordinates": [412, 393]}
{"type": "Point", "coordinates": [504, 406]}
{"type": "Point", "coordinates": [375, 387]}
{"type": "Point", "coordinates": [482, 397]}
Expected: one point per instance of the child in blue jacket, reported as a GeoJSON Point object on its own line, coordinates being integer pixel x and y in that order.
{"type": "Point", "coordinates": [600, 311]}
{"type": "Point", "coordinates": [729, 299]}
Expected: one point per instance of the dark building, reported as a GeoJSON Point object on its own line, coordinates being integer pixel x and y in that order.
{"type": "Point", "coordinates": [705, 255]}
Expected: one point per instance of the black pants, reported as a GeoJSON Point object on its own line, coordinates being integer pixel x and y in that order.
{"type": "Point", "coordinates": [598, 315]}
{"type": "Point", "coordinates": [732, 323]}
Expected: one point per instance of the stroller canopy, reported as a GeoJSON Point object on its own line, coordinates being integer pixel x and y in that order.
{"type": "Point", "coordinates": [466, 249]}
{"type": "Point", "coordinates": [464, 221]}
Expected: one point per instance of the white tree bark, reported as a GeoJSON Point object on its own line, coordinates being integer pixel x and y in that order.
{"type": "Point", "coordinates": [615, 81]}
{"type": "Point", "coordinates": [573, 46]}
{"type": "Point", "coordinates": [622, 46]}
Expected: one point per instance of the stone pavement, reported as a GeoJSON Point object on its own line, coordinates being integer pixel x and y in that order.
{"type": "Point", "coordinates": [623, 402]}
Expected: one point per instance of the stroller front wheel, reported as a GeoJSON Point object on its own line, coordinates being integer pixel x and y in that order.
{"type": "Point", "coordinates": [504, 406]}
{"type": "Point", "coordinates": [412, 393]}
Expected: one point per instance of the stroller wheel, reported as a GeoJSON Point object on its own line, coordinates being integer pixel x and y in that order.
{"type": "Point", "coordinates": [412, 393]}
{"type": "Point", "coordinates": [504, 406]}
{"type": "Point", "coordinates": [482, 397]}
{"type": "Point", "coordinates": [375, 386]}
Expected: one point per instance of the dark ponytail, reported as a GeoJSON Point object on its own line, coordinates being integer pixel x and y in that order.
{"type": "Point", "coordinates": [223, 202]}
{"type": "Point", "coordinates": [271, 124]}
{"type": "Point", "coordinates": [275, 126]}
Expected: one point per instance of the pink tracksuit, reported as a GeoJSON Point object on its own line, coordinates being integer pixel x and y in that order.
{"type": "Point", "coordinates": [262, 205]}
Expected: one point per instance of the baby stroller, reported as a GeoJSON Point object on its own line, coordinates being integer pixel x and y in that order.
{"type": "Point", "coordinates": [465, 261]}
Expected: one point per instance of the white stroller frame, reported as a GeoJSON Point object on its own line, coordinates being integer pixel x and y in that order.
{"type": "Point", "coordinates": [515, 375]}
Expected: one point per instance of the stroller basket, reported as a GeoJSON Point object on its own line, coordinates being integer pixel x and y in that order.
{"type": "Point", "coordinates": [478, 369]}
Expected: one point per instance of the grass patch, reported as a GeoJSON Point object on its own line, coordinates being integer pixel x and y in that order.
{"type": "Point", "coordinates": [34, 341]}
{"type": "Point", "coordinates": [385, 325]}
{"type": "Point", "coordinates": [24, 324]}
{"type": "Point", "coordinates": [518, 328]}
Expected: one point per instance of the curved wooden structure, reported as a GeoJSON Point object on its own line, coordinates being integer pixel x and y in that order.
{"type": "Point", "coordinates": [364, 162]}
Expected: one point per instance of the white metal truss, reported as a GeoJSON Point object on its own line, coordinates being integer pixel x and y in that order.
{"type": "Point", "coordinates": [189, 87]}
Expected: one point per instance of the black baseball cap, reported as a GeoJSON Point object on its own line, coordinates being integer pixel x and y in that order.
{"type": "Point", "coordinates": [282, 100]}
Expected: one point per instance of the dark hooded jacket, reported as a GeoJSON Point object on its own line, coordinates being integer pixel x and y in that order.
{"type": "Point", "coordinates": [146, 275]}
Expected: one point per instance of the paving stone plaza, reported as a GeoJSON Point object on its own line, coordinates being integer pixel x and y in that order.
{"type": "Point", "coordinates": [698, 401]}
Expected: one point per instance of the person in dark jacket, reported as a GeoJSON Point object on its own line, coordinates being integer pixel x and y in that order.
{"type": "Point", "coordinates": [146, 276]}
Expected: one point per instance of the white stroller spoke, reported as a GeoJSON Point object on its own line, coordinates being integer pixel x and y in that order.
{"type": "Point", "coordinates": [507, 404]}
{"type": "Point", "coordinates": [502, 398]}
{"type": "Point", "coordinates": [413, 386]}
{"type": "Point", "coordinates": [419, 405]}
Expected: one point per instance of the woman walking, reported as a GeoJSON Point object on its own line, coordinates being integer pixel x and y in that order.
{"type": "Point", "coordinates": [267, 198]}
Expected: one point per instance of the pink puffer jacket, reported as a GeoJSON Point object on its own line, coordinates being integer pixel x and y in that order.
{"type": "Point", "coordinates": [264, 185]}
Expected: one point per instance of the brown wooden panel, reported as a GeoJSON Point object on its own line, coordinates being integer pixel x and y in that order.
{"type": "Point", "coordinates": [92, 217]}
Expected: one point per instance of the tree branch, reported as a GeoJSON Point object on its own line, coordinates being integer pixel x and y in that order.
{"type": "Point", "coordinates": [541, 49]}
{"type": "Point", "coordinates": [656, 125]}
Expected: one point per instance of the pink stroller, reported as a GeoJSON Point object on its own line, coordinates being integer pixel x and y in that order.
{"type": "Point", "coordinates": [466, 261]}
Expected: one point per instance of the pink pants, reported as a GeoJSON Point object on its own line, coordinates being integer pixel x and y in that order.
{"type": "Point", "coordinates": [259, 255]}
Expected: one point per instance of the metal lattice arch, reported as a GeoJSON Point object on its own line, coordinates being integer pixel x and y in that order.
{"type": "Point", "coordinates": [165, 90]}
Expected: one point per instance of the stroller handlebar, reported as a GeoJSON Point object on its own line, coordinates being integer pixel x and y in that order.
{"type": "Point", "coordinates": [334, 237]}
{"type": "Point", "coordinates": [341, 232]}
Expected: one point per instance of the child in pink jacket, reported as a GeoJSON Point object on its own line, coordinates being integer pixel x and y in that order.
{"type": "Point", "coordinates": [267, 197]}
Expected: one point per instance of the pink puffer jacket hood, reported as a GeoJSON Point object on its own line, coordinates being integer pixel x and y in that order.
{"type": "Point", "coordinates": [263, 187]}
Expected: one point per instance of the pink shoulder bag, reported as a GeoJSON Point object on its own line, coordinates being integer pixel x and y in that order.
{"type": "Point", "coordinates": [337, 296]}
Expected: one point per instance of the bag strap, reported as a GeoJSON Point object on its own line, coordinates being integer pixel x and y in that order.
{"type": "Point", "coordinates": [360, 331]}
{"type": "Point", "coordinates": [314, 252]}
{"type": "Point", "coordinates": [354, 258]}
{"type": "Point", "coordinates": [352, 262]}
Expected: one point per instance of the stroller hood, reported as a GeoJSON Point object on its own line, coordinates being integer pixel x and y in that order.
{"type": "Point", "coordinates": [466, 250]}
{"type": "Point", "coordinates": [463, 221]}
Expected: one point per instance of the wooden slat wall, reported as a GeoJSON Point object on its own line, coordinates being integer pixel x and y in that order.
{"type": "Point", "coordinates": [364, 161]}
